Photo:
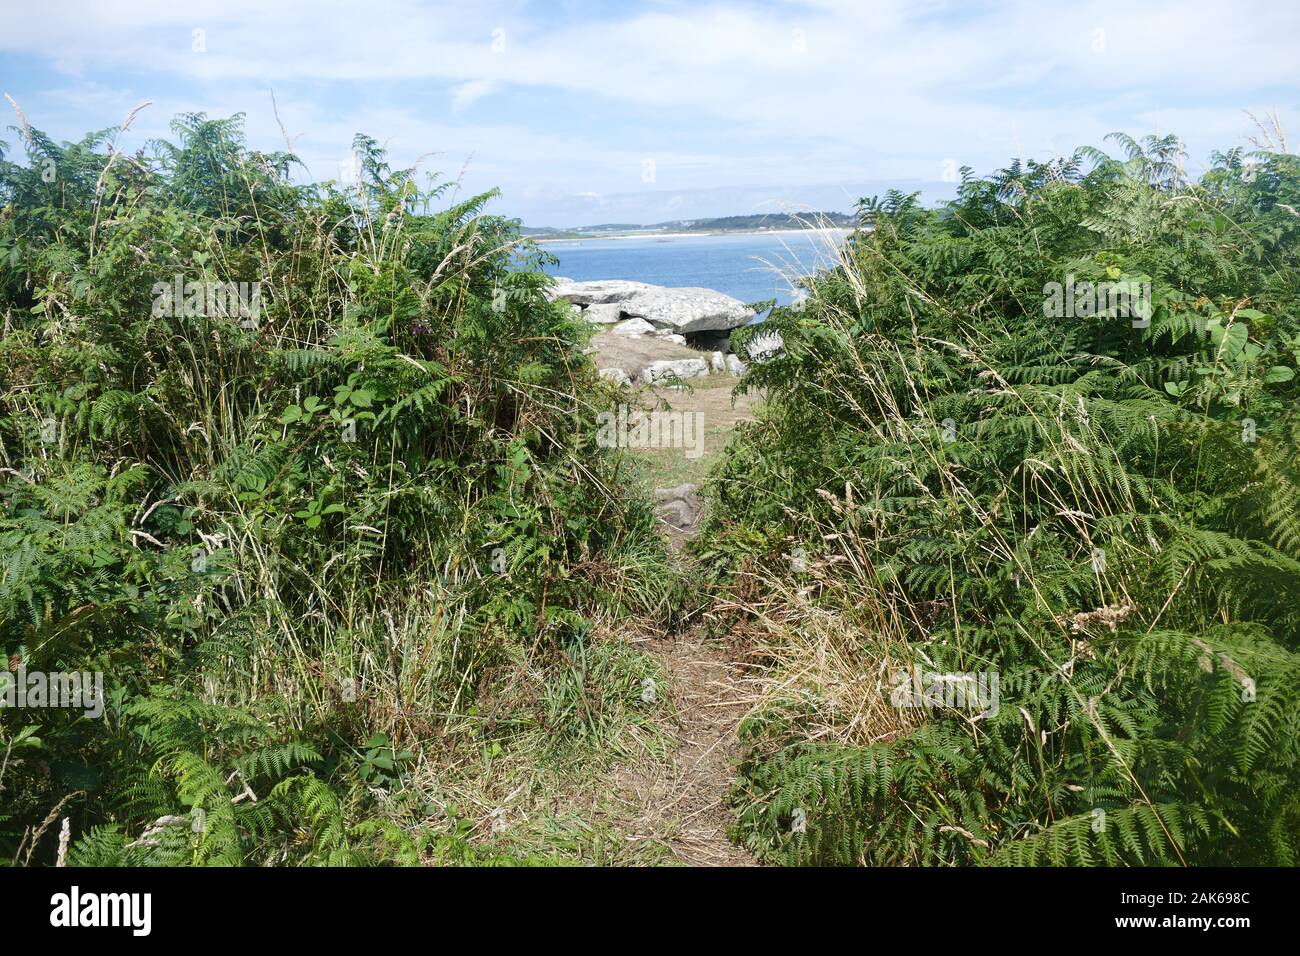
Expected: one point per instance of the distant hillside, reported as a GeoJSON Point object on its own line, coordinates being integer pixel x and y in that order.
{"type": "Point", "coordinates": [756, 223]}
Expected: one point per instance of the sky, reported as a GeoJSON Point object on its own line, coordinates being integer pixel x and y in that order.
{"type": "Point", "coordinates": [594, 112]}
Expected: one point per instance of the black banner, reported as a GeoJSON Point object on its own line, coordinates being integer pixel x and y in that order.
{"type": "Point", "coordinates": [334, 905]}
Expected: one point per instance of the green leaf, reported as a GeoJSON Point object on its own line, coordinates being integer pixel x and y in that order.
{"type": "Point", "coordinates": [1231, 341]}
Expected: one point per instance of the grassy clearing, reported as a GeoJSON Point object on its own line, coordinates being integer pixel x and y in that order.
{"type": "Point", "coordinates": [720, 410]}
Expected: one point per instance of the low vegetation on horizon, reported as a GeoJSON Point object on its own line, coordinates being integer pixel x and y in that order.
{"type": "Point", "coordinates": [759, 222]}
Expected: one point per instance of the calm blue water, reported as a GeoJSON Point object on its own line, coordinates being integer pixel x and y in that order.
{"type": "Point", "coordinates": [740, 266]}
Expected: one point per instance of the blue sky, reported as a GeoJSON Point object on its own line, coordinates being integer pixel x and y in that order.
{"type": "Point", "coordinates": [586, 112]}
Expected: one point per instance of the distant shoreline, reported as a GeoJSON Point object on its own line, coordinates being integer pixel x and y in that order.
{"type": "Point", "coordinates": [689, 235]}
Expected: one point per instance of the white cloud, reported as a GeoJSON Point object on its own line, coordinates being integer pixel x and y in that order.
{"type": "Point", "coordinates": [469, 93]}
{"type": "Point", "coordinates": [732, 92]}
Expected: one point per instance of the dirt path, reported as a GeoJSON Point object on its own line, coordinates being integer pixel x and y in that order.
{"type": "Point", "coordinates": [683, 800]}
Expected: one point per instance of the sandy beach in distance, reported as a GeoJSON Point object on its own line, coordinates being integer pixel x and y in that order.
{"type": "Point", "coordinates": [690, 235]}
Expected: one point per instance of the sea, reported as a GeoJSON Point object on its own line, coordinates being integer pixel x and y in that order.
{"type": "Point", "coordinates": [751, 267]}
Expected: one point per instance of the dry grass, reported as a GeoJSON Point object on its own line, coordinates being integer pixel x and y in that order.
{"type": "Point", "coordinates": [720, 412]}
{"type": "Point", "coordinates": [822, 666]}
{"type": "Point", "coordinates": [656, 794]}
{"type": "Point", "coordinates": [682, 803]}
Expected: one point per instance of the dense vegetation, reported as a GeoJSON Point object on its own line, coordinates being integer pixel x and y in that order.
{"type": "Point", "coordinates": [1099, 509]}
{"type": "Point", "coordinates": [321, 548]}
{"type": "Point", "coordinates": [337, 548]}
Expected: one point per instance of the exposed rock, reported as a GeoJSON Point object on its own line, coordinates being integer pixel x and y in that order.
{"type": "Point", "coordinates": [679, 507]}
{"type": "Point", "coordinates": [717, 362]}
{"type": "Point", "coordinates": [600, 292]}
{"type": "Point", "coordinates": [685, 490]}
{"type": "Point", "coordinates": [735, 366]}
{"type": "Point", "coordinates": [602, 314]}
{"type": "Point", "coordinates": [633, 327]}
{"type": "Point", "coordinates": [615, 375]}
{"type": "Point", "coordinates": [676, 513]}
{"type": "Point", "coordinates": [670, 368]}
{"type": "Point", "coordinates": [632, 353]}
{"type": "Point", "coordinates": [685, 311]}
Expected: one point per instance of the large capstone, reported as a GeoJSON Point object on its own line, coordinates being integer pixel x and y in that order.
{"type": "Point", "coordinates": [683, 311]}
